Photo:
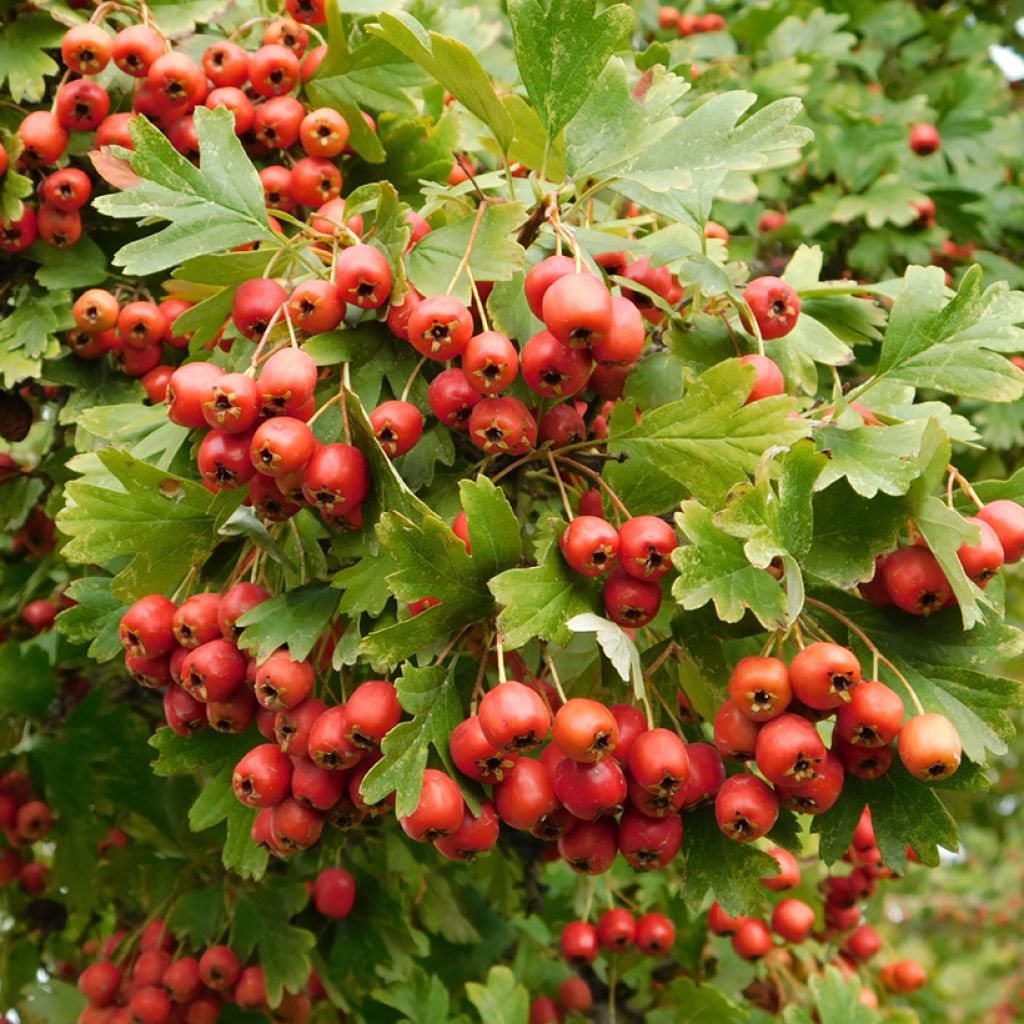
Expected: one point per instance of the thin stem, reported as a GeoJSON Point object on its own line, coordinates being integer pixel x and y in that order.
{"type": "Point", "coordinates": [554, 675]}
{"type": "Point", "coordinates": [345, 388]}
{"type": "Point", "coordinates": [499, 649]}
{"type": "Point", "coordinates": [613, 980]}
{"type": "Point", "coordinates": [480, 308]}
{"type": "Point", "coordinates": [599, 480]}
{"type": "Point", "coordinates": [186, 583]}
{"type": "Point", "coordinates": [869, 644]}
{"type": "Point", "coordinates": [668, 711]}
{"type": "Point", "coordinates": [412, 379]}
{"type": "Point", "coordinates": [300, 551]}
{"type": "Point", "coordinates": [323, 408]}
{"type": "Point", "coordinates": [561, 486]}
{"type": "Point", "coordinates": [478, 686]}
{"type": "Point", "coordinates": [965, 486]}
{"type": "Point", "coordinates": [464, 262]}
{"type": "Point", "coordinates": [732, 334]}
{"type": "Point", "coordinates": [450, 646]}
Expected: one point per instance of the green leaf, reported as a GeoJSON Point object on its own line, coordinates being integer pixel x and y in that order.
{"type": "Point", "coordinates": [13, 189]}
{"type": "Point", "coordinates": [687, 1002]}
{"type": "Point", "coordinates": [180, 17]}
{"type": "Point", "coordinates": [502, 1000]}
{"type": "Point", "coordinates": [495, 255]}
{"type": "Point", "coordinates": [699, 446]}
{"type": "Point", "coordinates": [432, 562]}
{"type": "Point", "coordinates": [28, 333]}
{"type": "Point", "coordinates": [24, 64]}
{"type": "Point", "coordinates": [199, 915]}
{"type": "Point", "coordinates": [538, 602]}
{"type": "Point", "coordinates": [165, 524]}
{"type": "Point", "coordinates": [493, 527]}
{"type": "Point", "coordinates": [562, 50]}
{"type": "Point", "coordinates": [903, 810]}
{"type": "Point", "coordinates": [216, 803]}
{"type": "Point", "coordinates": [452, 64]}
{"type": "Point", "coordinates": [430, 695]}
{"type": "Point", "coordinates": [51, 1000]}
{"type": "Point", "coordinates": [206, 750]}
{"type": "Point", "coordinates": [888, 200]}
{"type": "Point", "coordinates": [94, 617]}
{"type": "Point", "coordinates": [209, 208]}
{"type": "Point", "coordinates": [81, 265]}
{"type": "Point", "coordinates": [872, 459]}
{"type": "Point", "coordinates": [27, 680]}
{"type": "Point", "coordinates": [421, 997]}
{"type": "Point", "coordinates": [731, 870]}
{"type": "Point", "coordinates": [714, 567]}
{"type": "Point", "coordinates": [838, 999]}
{"type": "Point", "coordinates": [295, 619]}
{"type": "Point", "coordinates": [262, 923]}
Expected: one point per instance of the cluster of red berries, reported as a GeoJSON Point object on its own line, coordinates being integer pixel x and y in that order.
{"type": "Point", "coordinates": [25, 820]}
{"type": "Point", "coordinates": [154, 983]}
{"type": "Point", "coordinates": [912, 579]}
{"type": "Point", "coordinates": [794, 921]}
{"type": "Point", "coordinates": [616, 932]}
{"type": "Point", "coordinates": [671, 19]}
{"type": "Point", "coordinates": [770, 718]}
{"type": "Point", "coordinates": [633, 558]}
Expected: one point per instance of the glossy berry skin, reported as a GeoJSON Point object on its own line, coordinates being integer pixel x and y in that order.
{"type": "Point", "coordinates": [824, 675]}
{"type": "Point", "coordinates": [226, 64]}
{"type": "Point", "coordinates": [224, 459]}
{"type": "Point", "coordinates": [983, 560]}
{"type": "Point", "coordinates": [315, 306]}
{"type": "Point", "coordinates": [863, 762]}
{"type": "Point", "coordinates": [863, 943]}
{"type": "Point", "coordinates": [175, 79]}
{"type": "Point", "coordinates": [580, 942]}
{"type": "Point", "coordinates": [577, 310]}
{"type": "Point", "coordinates": [774, 304]}
{"type": "Point", "coordinates": [363, 276]}
{"type": "Point", "coordinates": [315, 180]}
{"type": "Point", "coordinates": [553, 369]}
{"type": "Point", "coordinates": [1007, 519]}
{"type": "Point", "coordinates": [96, 310]}
{"type": "Point", "coordinates": [336, 479]}
{"type": "Point", "coordinates": [575, 996]}
{"type": "Point", "coordinates": [929, 747]}
{"type": "Point", "coordinates": [86, 49]}
{"type": "Point", "coordinates": [398, 426]}
{"type": "Point", "coordinates": [273, 70]}
{"type": "Point", "coordinates": [490, 362]}
{"type": "Point", "coordinates": [590, 847]}
{"type": "Point", "coordinates": [915, 581]}
{"type": "Point", "coordinates": [439, 811]}
{"type": "Point", "coordinates": [655, 934]}
{"type": "Point", "coordinates": [735, 733]}
{"type": "Point", "coordinates": [474, 836]}
{"type": "Point", "coordinates": [281, 445]}
{"type": "Point", "coordinates": [721, 923]}
{"type": "Point", "coordinates": [526, 795]}
{"type": "Point", "coordinates": [372, 712]}
{"type": "Point", "coordinates": [792, 920]}
{"type": "Point", "coordinates": [631, 602]}
{"type": "Point", "coordinates": [616, 929]}
{"type": "Point", "coordinates": [150, 1005]}
{"type": "Point", "coordinates": [328, 744]}
{"type": "Point", "coordinates": [232, 404]}
{"type": "Point", "coordinates": [646, 544]}
{"type": "Point", "coordinates": [452, 399]}
{"type": "Point", "coordinates": [589, 791]}
{"type": "Point", "coordinates": [658, 761]}
{"type": "Point", "coordinates": [60, 229]}
{"type": "Point", "coordinates": [647, 843]}
{"type": "Point", "coordinates": [82, 105]}
{"type": "Point", "coordinates": [43, 137]}
{"type": "Point", "coordinates": [752, 939]}
{"type": "Point", "coordinates": [658, 280]}
{"type": "Point", "coordinates": [213, 671]}
{"type": "Point", "coordinates": [475, 756]}
{"type": "Point", "coordinates": [440, 327]}
{"type": "Point", "coordinates": [334, 893]}
{"type": "Point", "coordinates": [277, 122]}
{"type": "Point", "coordinates": [745, 808]}
{"type": "Point", "coordinates": [872, 717]}
{"type": "Point", "coordinates": [146, 629]}
{"type": "Point", "coordinates": [585, 730]}
{"type": "Point", "coordinates": [183, 713]}
{"type": "Point", "coordinates": [514, 717]}
{"type": "Point", "coordinates": [234, 604]}
{"type": "Point", "coordinates": [760, 687]}
{"type": "Point", "coordinates": [294, 826]}
{"type": "Point", "coordinates": [624, 342]}
{"type": "Point", "coordinates": [282, 683]}
{"type": "Point", "coordinates": [255, 305]}
{"type": "Point", "coordinates": [590, 545]}
{"type": "Point", "coordinates": [136, 48]}
{"type": "Point", "coordinates": [188, 392]}
{"type": "Point", "coordinates": [789, 750]}
{"type": "Point", "coordinates": [630, 723]}
{"type": "Point", "coordinates": [195, 621]}
{"type": "Point", "coordinates": [561, 426]}
{"type": "Point", "coordinates": [219, 968]}
{"type": "Point", "coordinates": [263, 777]}
{"type": "Point", "coordinates": [817, 795]}
{"type": "Point", "coordinates": [67, 189]}
{"type": "Point", "coordinates": [768, 379]}
{"type": "Point", "coordinates": [924, 139]}
{"type": "Point", "coordinates": [182, 981]}
{"type": "Point", "coordinates": [788, 876]}
{"type": "Point", "coordinates": [18, 235]}
{"type": "Point", "coordinates": [707, 773]}
{"type": "Point", "coordinates": [323, 132]}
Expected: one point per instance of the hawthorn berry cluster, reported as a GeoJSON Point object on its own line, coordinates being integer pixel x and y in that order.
{"type": "Point", "coordinates": [25, 820]}
{"type": "Point", "coordinates": [912, 579]}
{"type": "Point", "coordinates": [673, 20]}
{"type": "Point", "coordinates": [155, 980]}
{"type": "Point", "coordinates": [770, 719]}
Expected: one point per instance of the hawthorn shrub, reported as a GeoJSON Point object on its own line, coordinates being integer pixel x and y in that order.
{"type": "Point", "coordinates": [498, 503]}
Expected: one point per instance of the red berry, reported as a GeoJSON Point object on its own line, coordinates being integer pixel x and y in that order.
{"type": "Point", "coordinates": [177, 79]}
{"type": "Point", "coordinates": [286, 382]}
{"type": "Point", "coordinates": [589, 791]}
{"type": "Point", "coordinates": [136, 48]}
{"type": "Point", "coordinates": [196, 620]}
{"type": "Point", "coordinates": [281, 445]}
{"type": "Point", "coordinates": [526, 795]}
{"type": "Point", "coordinates": [793, 920]}
{"type": "Point", "coordinates": [631, 602]}
{"type": "Point", "coordinates": [658, 280]}
{"type": "Point", "coordinates": [328, 745]}
{"type": "Point", "coordinates": [752, 939]}
{"type": "Point", "coordinates": [473, 836]}
{"type": "Point", "coordinates": [624, 342]}
{"type": "Point", "coordinates": [575, 996]}
{"type": "Point", "coordinates": [502, 426]}
{"type": "Point", "coordinates": [315, 181]}
{"type": "Point", "coordinates": [95, 309]}
{"type": "Point", "coordinates": [334, 893]}
{"type": "Point", "coordinates": [760, 687]}
{"type": "Point", "coordinates": [294, 826]}
{"type": "Point", "coordinates": [924, 139]}
{"type": "Point", "coordinates": [659, 762]}
{"type": "Point", "coordinates": [789, 751]}
{"type": "Point", "coordinates": [273, 70]}
{"type": "Point", "coordinates": [150, 1005]}
{"type": "Point", "coordinates": [983, 560]}
{"type": "Point", "coordinates": [263, 777]}
{"type": "Point", "coordinates": [68, 189]}
{"type": "Point", "coordinates": [915, 581]}
{"type": "Point", "coordinates": [745, 808]}
{"type": "Point", "coordinates": [490, 362]}
{"type": "Point", "coordinates": [255, 306]}
{"type": "Point", "coordinates": [1007, 519]}
{"type": "Point", "coordinates": [440, 327]}
{"type": "Point", "coordinates": [475, 756]}
{"type": "Point", "coordinates": [735, 733]}
{"type": "Point", "coordinates": [590, 545]}
{"type": "Point", "coordinates": [182, 981]}
{"type": "Point", "coordinates": [278, 121]}
{"type": "Point", "coordinates": [81, 105]}
{"type": "Point", "coordinates": [363, 276]}
{"type": "Point", "coordinates": [590, 847]}
{"type": "Point", "coordinates": [336, 478]}
{"type": "Point", "coordinates": [439, 811]}
{"type": "Point", "coordinates": [577, 310]}
{"type": "Point", "coordinates": [452, 398]}
{"type": "Point", "coordinates": [86, 49]}
{"type": "Point", "coordinates": [315, 306]}
{"type": "Point", "coordinates": [514, 717]}
{"type": "Point", "coordinates": [929, 747]}
{"type": "Point", "coordinates": [616, 929]}
{"type": "Point", "coordinates": [585, 730]}
{"type": "Point", "coordinates": [580, 942]}
{"type": "Point", "coordinates": [282, 683]}
{"type": "Point", "coordinates": [226, 64]}
{"type": "Point", "coordinates": [372, 712]}
{"type": "Point", "coordinates": [43, 137]}
{"type": "Point", "coordinates": [188, 392]}
{"type": "Point", "coordinates": [645, 546]}
{"type": "Point", "coordinates": [398, 427]}
{"type": "Point", "coordinates": [184, 714]}
{"type": "Point", "coordinates": [552, 368]}
{"type": "Point", "coordinates": [213, 671]}
{"type": "Point", "coordinates": [146, 629]}
{"type": "Point", "coordinates": [721, 923]}
{"type": "Point", "coordinates": [774, 304]}
{"type": "Point", "coordinates": [39, 615]}
{"type": "Point", "coordinates": [655, 934]}
{"type": "Point", "coordinates": [560, 427]}
{"type": "Point", "coordinates": [707, 773]}
{"type": "Point", "coordinates": [817, 795]}
{"type": "Point", "coordinates": [872, 717]}
{"type": "Point", "coordinates": [219, 968]}
{"type": "Point", "coordinates": [768, 379]}
{"type": "Point", "coordinates": [824, 675]}
{"type": "Point", "coordinates": [788, 876]}
{"type": "Point", "coordinates": [324, 132]}
{"type": "Point", "coordinates": [18, 235]}
{"type": "Point", "coordinates": [60, 228]}
{"type": "Point", "coordinates": [649, 843]}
